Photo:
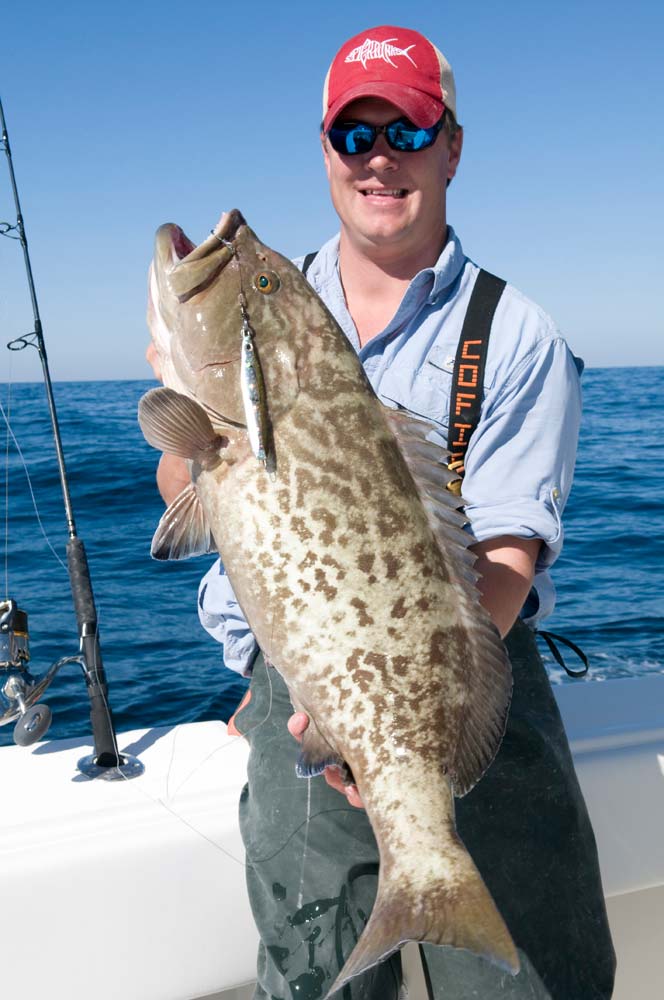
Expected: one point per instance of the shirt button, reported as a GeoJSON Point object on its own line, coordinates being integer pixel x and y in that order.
{"type": "Point", "coordinates": [555, 493]}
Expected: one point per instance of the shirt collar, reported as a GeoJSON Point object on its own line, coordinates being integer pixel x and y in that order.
{"type": "Point", "coordinates": [444, 272]}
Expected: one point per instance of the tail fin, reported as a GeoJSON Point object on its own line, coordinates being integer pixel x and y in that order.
{"type": "Point", "coordinates": [454, 910]}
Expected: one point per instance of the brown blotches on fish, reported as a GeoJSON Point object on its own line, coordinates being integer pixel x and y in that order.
{"type": "Point", "coordinates": [309, 560]}
{"type": "Point", "coordinates": [354, 658]}
{"type": "Point", "coordinates": [400, 665]}
{"type": "Point", "coordinates": [323, 586]}
{"type": "Point", "coordinates": [305, 483]}
{"type": "Point", "coordinates": [357, 522]}
{"type": "Point", "coordinates": [339, 470]}
{"type": "Point", "coordinates": [329, 522]}
{"type": "Point", "coordinates": [363, 616]}
{"type": "Point", "coordinates": [378, 660]}
{"type": "Point", "coordinates": [365, 561]}
{"type": "Point", "coordinates": [439, 645]}
{"type": "Point", "coordinates": [366, 486]}
{"type": "Point", "coordinates": [399, 608]}
{"type": "Point", "coordinates": [364, 679]}
{"type": "Point", "coordinates": [423, 603]}
{"type": "Point", "coordinates": [327, 560]}
{"type": "Point", "coordinates": [392, 566]}
{"type": "Point", "coordinates": [419, 553]}
{"type": "Point", "coordinates": [389, 523]}
{"type": "Point", "coordinates": [301, 530]}
{"type": "Point", "coordinates": [283, 498]}
{"type": "Point", "coordinates": [306, 587]}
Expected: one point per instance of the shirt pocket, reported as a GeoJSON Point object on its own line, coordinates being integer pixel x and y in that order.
{"type": "Point", "coordinates": [424, 393]}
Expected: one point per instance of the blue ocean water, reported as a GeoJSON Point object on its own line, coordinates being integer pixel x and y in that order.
{"type": "Point", "coordinates": [163, 669]}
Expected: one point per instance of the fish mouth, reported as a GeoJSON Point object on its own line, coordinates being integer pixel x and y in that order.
{"type": "Point", "coordinates": [189, 269]}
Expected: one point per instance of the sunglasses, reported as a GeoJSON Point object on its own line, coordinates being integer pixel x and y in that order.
{"type": "Point", "coordinates": [352, 138]}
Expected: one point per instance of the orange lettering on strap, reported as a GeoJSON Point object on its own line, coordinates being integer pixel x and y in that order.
{"type": "Point", "coordinates": [474, 372]}
{"type": "Point", "coordinates": [464, 350]}
{"type": "Point", "coordinates": [460, 444]}
{"type": "Point", "coordinates": [464, 401]}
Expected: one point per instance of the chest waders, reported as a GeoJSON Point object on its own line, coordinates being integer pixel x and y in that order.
{"type": "Point", "coordinates": [312, 860]}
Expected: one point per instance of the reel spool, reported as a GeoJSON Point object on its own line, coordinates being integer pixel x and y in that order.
{"type": "Point", "coordinates": [19, 690]}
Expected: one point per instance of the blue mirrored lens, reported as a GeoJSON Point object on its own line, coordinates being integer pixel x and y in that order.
{"type": "Point", "coordinates": [408, 138]}
{"type": "Point", "coordinates": [402, 135]}
{"type": "Point", "coordinates": [352, 139]}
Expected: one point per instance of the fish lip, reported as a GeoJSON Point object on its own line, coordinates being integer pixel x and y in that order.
{"type": "Point", "coordinates": [187, 269]}
{"type": "Point", "coordinates": [183, 251]}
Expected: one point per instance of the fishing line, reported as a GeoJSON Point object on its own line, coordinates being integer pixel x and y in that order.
{"type": "Point", "coordinates": [300, 895]}
{"type": "Point", "coordinates": [27, 476]}
{"type": "Point", "coordinates": [9, 396]}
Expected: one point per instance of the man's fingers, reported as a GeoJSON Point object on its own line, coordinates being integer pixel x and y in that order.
{"type": "Point", "coordinates": [334, 779]}
{"type": "Point", "coordinates": [152, 359]}
{"type": "Point", "coordinates": [297, 725]}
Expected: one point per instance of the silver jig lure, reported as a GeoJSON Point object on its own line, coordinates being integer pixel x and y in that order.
{"type": "Point", "coordinates": [253, 397]}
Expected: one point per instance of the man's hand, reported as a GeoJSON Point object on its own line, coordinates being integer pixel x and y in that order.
{"type": "Point", "coordinates": [152, 359]}
{"type": "Point", "coordinates": [172, 477]}
{"type": "Point", "coordinates": [172, 472]}
{"type": "Point", "coordinates": [296, 727]}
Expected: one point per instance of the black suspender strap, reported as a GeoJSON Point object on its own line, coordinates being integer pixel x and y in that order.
{"type": "Point", "coordinates": [468, 377]}
{"type": "Point", "coordinates": [308, 261]}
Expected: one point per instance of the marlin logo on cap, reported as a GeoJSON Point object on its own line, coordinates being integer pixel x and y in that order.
{"type": "Point", "coordinates": [370, 49]}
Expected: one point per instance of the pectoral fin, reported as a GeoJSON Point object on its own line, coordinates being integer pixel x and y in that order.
{"type": "Point", "coordinates": [183, 530]}
{"type": "Point", "coordinates": [178, 425]}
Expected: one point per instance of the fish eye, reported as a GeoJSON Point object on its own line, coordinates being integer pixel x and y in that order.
{"type": "Point", "coordinates": [266, 282]}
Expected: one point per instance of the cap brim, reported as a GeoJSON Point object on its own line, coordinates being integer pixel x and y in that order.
{"type": "Point", "coordinates": [422, 109]}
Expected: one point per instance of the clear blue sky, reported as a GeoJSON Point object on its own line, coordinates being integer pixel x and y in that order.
{"type": "Point", "coordinates": [126, 115]}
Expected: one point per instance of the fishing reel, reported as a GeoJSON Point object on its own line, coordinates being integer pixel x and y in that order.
{"type": "Point", "coordinates": [19, 690]}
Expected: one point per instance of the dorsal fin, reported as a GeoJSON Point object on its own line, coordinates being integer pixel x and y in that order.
{"type": "Point", "coordinates": [425, 461]}
{"type": "Point", "coordinates": [489, 675]}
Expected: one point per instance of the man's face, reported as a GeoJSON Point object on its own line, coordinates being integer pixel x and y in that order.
{"type": "Point", "coordinates": [386, 198]}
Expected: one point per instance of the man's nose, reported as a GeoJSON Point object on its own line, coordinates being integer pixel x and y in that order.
{"type": "Point", "coordinates": [381, 156]}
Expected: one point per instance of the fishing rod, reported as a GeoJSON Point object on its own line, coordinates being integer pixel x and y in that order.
{"type": "Point", "coordinates": [106, 760]}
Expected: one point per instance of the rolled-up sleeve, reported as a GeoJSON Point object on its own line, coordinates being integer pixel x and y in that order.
{"type": "Point", "coordinates": [221, 616]}
{"type": "Point", "coordinates": [520, 462]}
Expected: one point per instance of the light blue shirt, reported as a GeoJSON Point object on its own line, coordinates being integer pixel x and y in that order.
{"type": "Point", "coordinates": [520, 461]}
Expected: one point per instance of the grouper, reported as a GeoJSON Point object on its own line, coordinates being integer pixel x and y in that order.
{"type": "Point", "coordinates": [348, 557]}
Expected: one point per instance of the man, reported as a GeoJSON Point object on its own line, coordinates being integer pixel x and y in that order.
{"type": "Point", "coordinates": [399, 285]}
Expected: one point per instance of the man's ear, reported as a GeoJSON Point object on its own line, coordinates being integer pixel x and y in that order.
{"type": "Point", "coordinates": [326, 152]}
{"type": "Point", "coordinates": [455, 146]}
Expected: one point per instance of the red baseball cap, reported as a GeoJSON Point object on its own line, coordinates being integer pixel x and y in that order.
{"type": "Point", "coordinates": [397, 64]}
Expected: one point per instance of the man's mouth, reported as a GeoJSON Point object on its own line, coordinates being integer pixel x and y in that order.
{"type": "Point", "coordinates": [384, 192]}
